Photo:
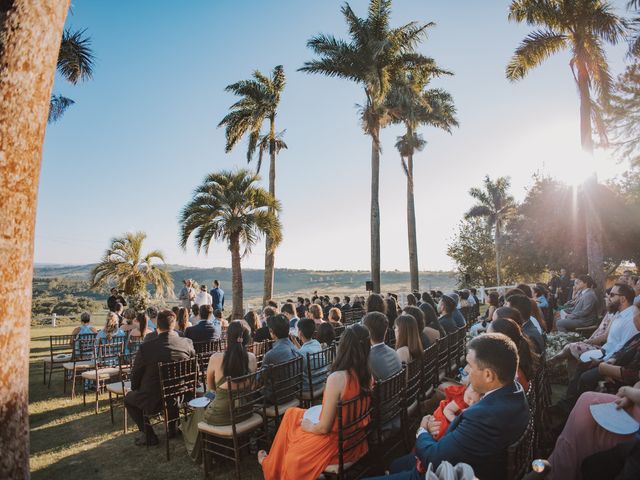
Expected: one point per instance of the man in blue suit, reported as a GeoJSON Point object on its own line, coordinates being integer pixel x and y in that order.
{"type": "Point", "coordinates": [480, 435]}
{"type": "Point", "coordinates": [217, 295]}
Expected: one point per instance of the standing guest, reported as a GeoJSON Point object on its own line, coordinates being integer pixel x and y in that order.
{"type": "Point", "coordinates": [195, 314]}
{"type": "Point", "coordinates": [187, 295]}
{"type": "Point", "coordinates": [203, 297]}
{"type": "Point", "coordinates": [152, 315]}
{"type": "Point", "coordinates": [408, 343]}
{"type": "Point", "coordinates": [335, 317]}
{"type": "Point", "coordinates": [326, 334]}
{"type": "Point", "coordinates": [116, 296]}
{"type": "Point", "coordinates": [234, 362]}
{"type": "Point", "coordinates": [523, 305]}
{"type": "Point", "coordinates": [253, 320]}
{"type": "Point", "coordinates": [110, 330]}
{"type": "Point", "coordinates": [205, 330]}
{"type": "Point", "coordinates": [392, 310]}
{"type": "Point", "coordinates": [302, 449]}
{"type": "Point", "coordinates": [426, 333]}
{"type": "Point", "coordinates": [566, 287]}
{"type": "Point", "coordinates": [289, 311]}
{"type": "Point", "coordinates": [584, 312]}
{"type": "Point", "coordinates": [315, 313]}
{"type": "Point", "coordinates": [217, 296]}
{"type": "Point", "coordinates": [375, 303]}
{"type": "Point", "coordinates": [145, 396]}
{"type": "Point", "coordinates": [281, 351]}
{"type": "Point", "coordinates": [306, 330]}
{"type": "Point", "coordinates": [482, 434]}
{"type": "Point", "coordinates": [528, 361]}
{"type": "Point", "coordinates": [449, 314]}
{"type": "Point", "coordinates": [383, 360]}
{"type": "Point", "coordinates": [182, 321]}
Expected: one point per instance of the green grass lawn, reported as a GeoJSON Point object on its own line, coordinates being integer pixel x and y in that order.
{"type": "Point", "coordinates": [69, 441]}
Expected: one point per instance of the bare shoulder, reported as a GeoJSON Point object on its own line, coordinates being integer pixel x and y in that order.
{"type": "Point", "coordinates": [338, 380]}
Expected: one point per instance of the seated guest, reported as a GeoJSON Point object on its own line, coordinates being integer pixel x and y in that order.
{"type": "Point", "coordinates": [194, 318]}
{"type": "Point", "coordinates": [450, 317]}
{"type": "Point", "coordinates": [412, 300]}
{"type": "Point", "coordinates": [85, 326]}
{"type": "Point", "coordinates": [523, 305]}
{"type": "Point", "coordinates": [584, 312]}
{"type": "Point", "coordinates": [326, 334]}
{"type": "Point", "coordinates": [234, 362]}
{"type": "Point", "coordinates": [334, 317]}
{"type": "Point", "coordinates": [392, 310]}
{"type": "Point", "coordinates": [182, 321]}
{"type": "Point", "coordinates": [383, 360]}
{"type": "Point", "coordinates": [457, 399]}
{"type": "Point", "coordinates": [205, 330]}
{"type": "Point", "coordinates": [145, 396]}
{"type": "Point", "coordinates": [484, 320]}
{"type": "Point", "coordinates": [263, 333]}
{"type": "Point", "coordinates": [408, 343]}
{"type": "Point", "coordinates": [152, 315]}
{"type": "Point", "coordinates": [540, 297]}
{"type": "Point", "coordinates": [315, 313]}
{"type": "Point", "coordinates": [528, 361]}
{"type": "Point", "coordinates": [140, 328]}
{"type": "Point", "coordinates": [432, 327]}
{"type": "Point", "coordinates": [482, 434]}
{"type": "Point", "coordinates": [572, 351]}
{"type": "Point", "coordinates": [219, 320]}
{"type": "Point", "coordinates": [289, 311]}
{"type": "Point", "coordinates": [623, 328]}
{"type": "Point", "coordinates": [110, 330]}
{"type": "Point", "coordinates": [425, 333]}
{"type": "Point", "coordinates": [302, 449]}
{"type": "Point", "coordinates": [582, 437]}
{"type": "Point", "coordinates": [253, 320]}
{"type": "Point", "coordinates": [428, 298]}
{"type": "Point", "coordinates": [306, 329]}
{"type": "Point", "coordinates": [375, 303]}
{"type": "Point", "coordinates": [281, 351]}
{"type": "Point", "coordinates": [273, 304]}
{"type": "Point", "coordinates": [129, 316]}
{"type": "Point", "coordinates": [346, 304]}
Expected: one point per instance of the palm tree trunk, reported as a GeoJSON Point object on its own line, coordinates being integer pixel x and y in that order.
{"type": "Point", "coordinates": [585, 108]}
{"type": "Point", "coordinates": [497, 242]}
{"type": "Point", "coordinates": [270, 254]}
{"type": "Point", "coordinates": [236, 277]}
{"type": "Point", "coordinates": [375, 208]}
{"type": "Point", "coordinates": [30, 33]}
{"type": "Point", "coordinates": [411, 227]}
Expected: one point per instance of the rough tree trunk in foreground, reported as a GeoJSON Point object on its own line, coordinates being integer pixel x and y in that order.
{"type": "Point", "coordinates": [30, 33]}
{"type": "Point", "coordinates": [411, 228]}
{"type": "Point", "coordinates": [236, 277]}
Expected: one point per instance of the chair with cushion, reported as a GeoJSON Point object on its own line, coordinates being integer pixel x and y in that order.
{"type": "Point", "coordinates": [120, 387]}
{"type": "Point", "coordinates": [81, 359]}
{"type": "Point", "coordinates": [285, 380]}
{"type": "Point", "coordinates": [60, 352]}
{"type": "Point", "coordinates": [248, 423]}
{"type": "Point", "coordinates": [178, 382]}
{"type": "Point", "coordinates": [354, 418]}
{"type": "Point", "coordinates": [105, 367]}
{"type": "Point", "coordinates": [259, 349]}
{"type": "Point", "coordinates": [318, 366]}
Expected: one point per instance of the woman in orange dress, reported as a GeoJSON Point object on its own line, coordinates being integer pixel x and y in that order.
{"type": "Point", "coordinates": [302, 449]}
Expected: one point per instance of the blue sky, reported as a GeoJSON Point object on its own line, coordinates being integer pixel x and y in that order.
{"type": "Point", "coordinates": [143, 134]}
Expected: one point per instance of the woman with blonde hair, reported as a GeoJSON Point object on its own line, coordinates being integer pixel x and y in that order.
{"type": "Point", "coordinates": [110, 330]}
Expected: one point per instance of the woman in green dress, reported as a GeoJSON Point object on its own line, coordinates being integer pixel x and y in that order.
{"type": "Point", "coordinates": [234, 362]}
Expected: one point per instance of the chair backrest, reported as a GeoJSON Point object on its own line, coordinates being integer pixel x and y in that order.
{"type": "Point", "coordinates": [318, 365]}
{"type": "Point", "coordinates": [125, 365]}
{"type": "Point", "coordinates": [430, 367]}
{"type": "Point", "coordinates": [286, 381]}
{"type": "Point", "coordinates": [203, 364]}
{"type": "Point", "coordinates": [245, 397]}
{"type": "Point", "coordinates": [390, 338]}
{"type": "Point", "coordinates": [520, 453]}
{"type": "Point", "coordinates": [107, 353]}
{"type": "Point", "coordinates": [84, 347]}
{"type": "Point", "coordinates": [178, 380]}
{"type": "Point", "coordinates": [338, 331]}
{"type": "Point", "coordinates": [134, 344]}
{"type": "Point", "coordinates": [259, 349]}
{"type": "Point", "coordinates": [414, 383]}
{"type": "Point", "coordinates": [444, 358]}
{"type": "Point", "coordinates": [207, 346]}
{"type": "Point", "coordinates": [60, 344]}
{"type": "Point", "coordinates": [388, 403]}
{"type": "Point", "coordinates": [353, 425]}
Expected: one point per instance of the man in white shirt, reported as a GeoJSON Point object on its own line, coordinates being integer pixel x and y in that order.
{"type": "Point", "coordinates": [622, 330]}
{"type": "Point", "coordinates": [203, 297]}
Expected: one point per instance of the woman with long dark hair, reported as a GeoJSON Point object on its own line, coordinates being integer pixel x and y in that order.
{"type": "Point", "coordinates": [234, 362]}
{"type": "Point", "coordinates": [528, 359]}
{"type": "Point", "coordinates": [375, 303]}
{"type": "Point", "coordinates": [303, 449]}
{"type": "Point", "coordinates": [392, 310]}
{"type": "Point", "coordinates": [408, 339]}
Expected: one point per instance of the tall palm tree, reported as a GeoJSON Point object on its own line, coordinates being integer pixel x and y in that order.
{"type": "Point", "coordinates": [75, 64]}
{"type": "Point", "coordinates": [414, 105]}
{"type": "Point", "coordinates": [496, 206]}
{"type": "Point", "coordinates": [260, 98]}
{"type": "Point", "coordinates": [125, 265]}
{"type": "Point", "coordinates": [30, 33]}
{"type": "Point", "coordinates": [583, 27]}
{"type": "Point", "coordinates": [231, 208]}
{"type": "Point", "coordinates": [372, 56]}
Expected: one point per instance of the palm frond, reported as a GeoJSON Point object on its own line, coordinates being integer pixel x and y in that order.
{"type": "Point", "coordinates": [76, 58]}
{"type": "Point", "coordinates": [58, 104]}
{"type": "Point", "coordinates": [533, 50]}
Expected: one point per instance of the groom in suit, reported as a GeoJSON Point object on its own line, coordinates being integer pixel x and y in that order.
{"type": "Point", "coordinates": [480, 435]}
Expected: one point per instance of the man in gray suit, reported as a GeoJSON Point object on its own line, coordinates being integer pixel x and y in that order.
{"type": "Point", "coordinates": [383, 360]}
{"type": "Point", "coordinates": [585, 311]}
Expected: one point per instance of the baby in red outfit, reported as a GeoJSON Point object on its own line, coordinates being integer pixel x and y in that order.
{"type": "Point", "coordinates": [457, 398]}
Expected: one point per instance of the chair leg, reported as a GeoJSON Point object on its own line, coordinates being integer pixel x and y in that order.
{"type": "Point", "coordinates": [97, 392]}
{"type": "Point", "coordinates": [111, 408]}
{"type": "Point", "coordinates": [50, 374]}
{"type": "Point", "coordinates": [125, 413]}
{"type": "Point", "coordinates": [166, 434]}
{"type": "Point", "coordinates": [84, 392]}
{"type": "Point", "coordinates": [205, 454]}
{"type": "Point", "coordinates": [73, 384]}
{"type": "Point", "coordinates": [236, 454]}
{"type": "Point", "coordinates": [64, 380]}
{"type": "Point", "coordinates": [44, 373]}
